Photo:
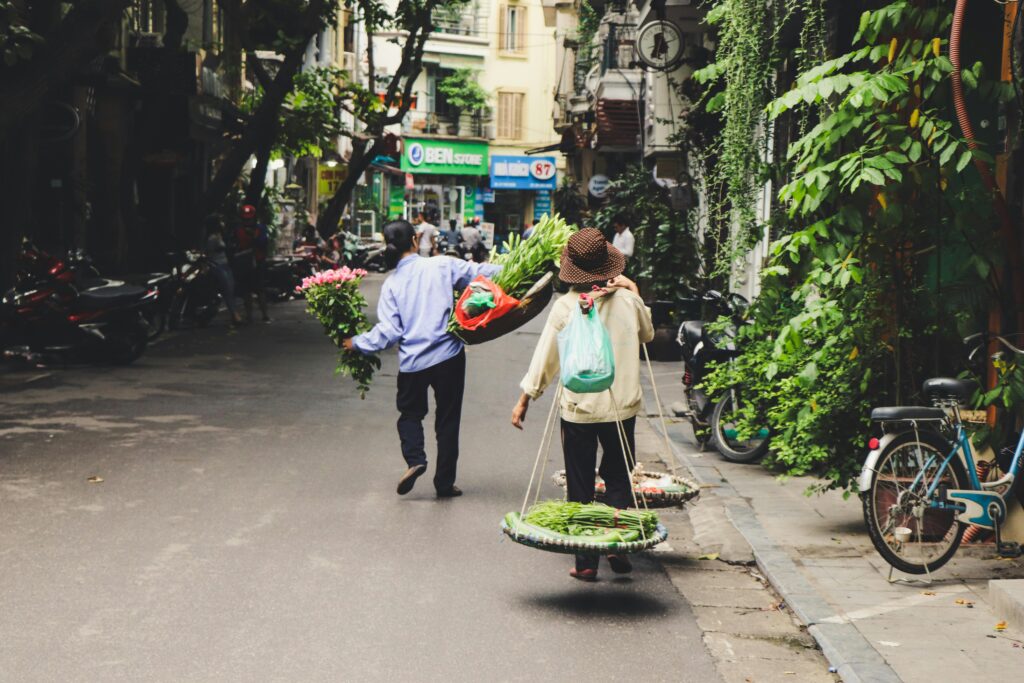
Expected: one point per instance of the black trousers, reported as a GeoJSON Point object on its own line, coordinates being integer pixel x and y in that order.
{"type": "Point", "coordinates": [579, 447]}
{"type": "Point", "coordinates": [448, 380]}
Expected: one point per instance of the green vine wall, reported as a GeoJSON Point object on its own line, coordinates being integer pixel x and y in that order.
{"type": "Point", "coordinates": [885, 245]}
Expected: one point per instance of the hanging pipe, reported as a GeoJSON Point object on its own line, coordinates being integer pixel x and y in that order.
{"type": "Point", "coordinates": [1013, 273]}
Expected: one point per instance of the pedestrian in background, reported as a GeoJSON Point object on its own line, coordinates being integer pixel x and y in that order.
{"type": "Point", "coordinates": [252, 240]}
{"type": "Point", "coordinates": [623, 240]}
{"type": "Point", "coordinates": [413, 311]}
{"type": "Point", "coordinates": [426, 233]}
{"type": "Point", "coordinates": [588, 419]}
{"type": "Point", "coordinates": [216, 251]}
{"type": "Point", "coordinates": [474, 242]}
{"type": "Point", "coordinates": [528, 230]}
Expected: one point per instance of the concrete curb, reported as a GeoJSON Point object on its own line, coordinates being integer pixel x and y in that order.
{"type": "Point", "coordinates": [852, 656]}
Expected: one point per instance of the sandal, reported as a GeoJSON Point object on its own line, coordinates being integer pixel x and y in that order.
{"type": "Point", "coordinates": [588, 574]}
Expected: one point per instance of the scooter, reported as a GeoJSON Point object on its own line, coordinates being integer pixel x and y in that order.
{"type": "Point", "coordinates": [713, 421]}
{"type": "Point", "coordinates": [366, 255]}
{"type": "Point", "coordinates": [53, 320]}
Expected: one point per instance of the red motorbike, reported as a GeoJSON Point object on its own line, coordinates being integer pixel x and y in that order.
{"type": "Point", "coordinates": [49, 315]}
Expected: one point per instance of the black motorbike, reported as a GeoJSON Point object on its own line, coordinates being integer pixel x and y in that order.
{"type": "Point", "coordinates": [713, 421]}
{"type": "Point", "coordinates": [362, 254]}
{"type": "Point", "coordinates": [195, 295]}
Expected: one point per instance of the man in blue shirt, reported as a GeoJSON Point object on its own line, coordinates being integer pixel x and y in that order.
{"type": "Point", "coordinates": [413, 311]}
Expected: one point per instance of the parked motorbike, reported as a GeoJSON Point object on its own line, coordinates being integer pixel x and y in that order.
{"type": "Point", "coordinates": [76, 268]}
{"type": "Point", "coordinates": [285, 273]}
{"type": "Point", "coordinates": [47, 315]}
{"type": "Point", "coordinates": [713, 421]}
{"type": "Point", "coordinates": [195, 296]}
{"type": "Point", "coordinates": [366, 255]}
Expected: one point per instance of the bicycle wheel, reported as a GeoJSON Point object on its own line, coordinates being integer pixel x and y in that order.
{"type": "Point", "coordinates": [727, 437]}
{"type": "Point", "coordinates": [894, 505]}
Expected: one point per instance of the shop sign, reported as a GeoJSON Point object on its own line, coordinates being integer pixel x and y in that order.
{"type": "Point", "coordinates": [598, 186]}
{"type": "Point", "coordinates": [523, 173]}
{"type": "Point", "coordinates": [396, 203]}
{"type": "Point", "coordinates": [488, 196]}
{"type": "Point", "coordinates": [541, 204]}
{"type": "Point", "coordinates": [444, 157]}
{"type": "Point", "coordinates": [410, 184]}
{"type": "Point", "coordinates": [487, 234]}
{"type": "Point", "coordinates": [329, 179]}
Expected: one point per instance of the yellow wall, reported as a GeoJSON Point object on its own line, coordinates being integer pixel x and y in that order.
{"type": "Point", "coordinates": [532, 72]}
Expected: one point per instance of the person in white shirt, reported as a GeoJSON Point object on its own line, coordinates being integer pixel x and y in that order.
{"type": "Point", "coordinates": [427, 234]}
{"type": "Point", "coordinates": [623, 240]}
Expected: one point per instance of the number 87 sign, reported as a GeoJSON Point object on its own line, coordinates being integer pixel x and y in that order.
{"type": "Point", "coordinates": [542, 169]}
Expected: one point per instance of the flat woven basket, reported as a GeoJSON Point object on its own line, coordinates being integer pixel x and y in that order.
{"type": "Point", "coordinates": [575, 545]}
{"type": "Point", "coordinates": [530, 306]}
{"type": "Point", "coordinates": [681, 491]}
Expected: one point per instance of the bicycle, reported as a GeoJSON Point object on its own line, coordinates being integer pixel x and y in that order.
{"type": "Point", "coordinates": [920, 487]}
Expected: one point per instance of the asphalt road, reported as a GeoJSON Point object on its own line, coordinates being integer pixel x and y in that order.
{"type": "Point", "coordinates": [246, 528]}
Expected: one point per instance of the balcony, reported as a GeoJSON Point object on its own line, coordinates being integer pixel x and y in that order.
{"type": "Point", "coordinates": [618, 78]}
{"type": "Point", "coordinates": [433, 123]}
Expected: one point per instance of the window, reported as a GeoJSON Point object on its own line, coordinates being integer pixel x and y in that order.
{"type": "Point", "coordinates": [512, 28]}
{"type": "Point", "coordinates": [510, 115]}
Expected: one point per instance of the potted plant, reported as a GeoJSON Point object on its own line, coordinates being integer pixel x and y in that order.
{"type": "Point", "coordinates": [465, 95]}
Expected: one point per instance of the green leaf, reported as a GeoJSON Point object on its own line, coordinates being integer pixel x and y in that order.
{"type": "Point", "coordinates": [915, 151]}
{"type": "Point", "coordinates": [965, 159]}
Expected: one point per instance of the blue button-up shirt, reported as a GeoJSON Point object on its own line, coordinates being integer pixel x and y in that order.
{"type": "Point", "coordinates": [415, 305]}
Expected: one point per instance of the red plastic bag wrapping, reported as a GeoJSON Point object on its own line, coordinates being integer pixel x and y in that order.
{"type": "Point", "coordinates": [503, 303]}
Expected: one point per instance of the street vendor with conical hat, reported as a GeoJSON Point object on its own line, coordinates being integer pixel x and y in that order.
{"type": "Point", "coordinates": [588, 262]}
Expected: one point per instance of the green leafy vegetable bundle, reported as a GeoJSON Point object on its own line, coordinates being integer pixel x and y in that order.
{"type": "Point", "coordinates": [525, 261]}
{"type": "Point", "coordinates": [590, 519]}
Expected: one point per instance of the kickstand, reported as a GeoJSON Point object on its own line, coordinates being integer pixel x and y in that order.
{"type": "Point", "coordinates": [1005, 548]}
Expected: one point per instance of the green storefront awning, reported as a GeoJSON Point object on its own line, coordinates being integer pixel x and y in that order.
{"type": "Point", "coordinates": [445, 157]}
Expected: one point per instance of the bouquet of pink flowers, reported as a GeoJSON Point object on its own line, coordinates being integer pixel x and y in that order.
{"type": "Point", "coordinates": [333, 298]}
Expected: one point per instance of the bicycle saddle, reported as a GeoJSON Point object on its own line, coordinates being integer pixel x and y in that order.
{"type": "Point", "coordinates": [949, 388]}
{"type": "Point", "coordinates": [906, 413]}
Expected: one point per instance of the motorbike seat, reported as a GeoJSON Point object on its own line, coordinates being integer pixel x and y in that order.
{"type": "Point", "coordinates": [109, 297]}
{"type": "Point", "coordinates": [949, 388]}
{"type": "Point", "coordinates": [693, 331]}
{"type": "Point", "coordinates": [907, 413]}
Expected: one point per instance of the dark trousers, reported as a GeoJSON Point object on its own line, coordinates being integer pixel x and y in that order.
{"type": "Point", "coordinates": [448, 380]}
{"type": "Point", "coordinates": [579, 447]}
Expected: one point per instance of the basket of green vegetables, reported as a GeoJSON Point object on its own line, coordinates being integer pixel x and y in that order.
{"type": "Point", "coordinates": [654, 489]}
{"type": "Point", "coordinates": [527, 274]}
{"type": "Point", "coordinates": [584, 528]}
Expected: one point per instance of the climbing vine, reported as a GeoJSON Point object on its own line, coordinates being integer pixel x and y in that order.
{"type": "Point", "coordinates": [887, 252]}
{"type": "Point", "coordinates": [737, 87]}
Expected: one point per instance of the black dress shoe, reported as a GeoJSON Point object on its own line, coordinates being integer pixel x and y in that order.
{"type": "Point", "coordinates": [408, 479]}
{"type": "Point", "coordinates": [453, 492]}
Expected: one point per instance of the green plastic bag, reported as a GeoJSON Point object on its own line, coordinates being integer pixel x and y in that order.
{"type": "Point", "coordinates": [585, 353]}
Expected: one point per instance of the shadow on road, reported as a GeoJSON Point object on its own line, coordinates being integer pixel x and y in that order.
{"type": "Point", "coordinates": [596, 602]}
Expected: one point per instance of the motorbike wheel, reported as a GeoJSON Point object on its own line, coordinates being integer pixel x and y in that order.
{"type": "Point", "coordinates": [127, 349]}
{"type": "Point", "coordinates": [156, 322]}
{"type": "Point", "coordinates": [176, 310]}
{"type": "Point", "coordinates": [204, 315]}
{"type": "Point", "coordinates": [724, 435]}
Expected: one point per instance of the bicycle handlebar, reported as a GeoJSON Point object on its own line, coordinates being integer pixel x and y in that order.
{"type": "Point", "coordinates": [985, 337]}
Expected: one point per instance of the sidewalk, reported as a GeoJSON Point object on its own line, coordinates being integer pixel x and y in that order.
{"type": "Point", "coordinates": [816, 553]}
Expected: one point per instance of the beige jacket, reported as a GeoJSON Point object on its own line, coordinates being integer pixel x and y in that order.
{"type": "Point", "coordinates": [628, 322]}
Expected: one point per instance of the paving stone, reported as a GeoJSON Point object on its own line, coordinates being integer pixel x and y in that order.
{"type": "Point", "coordinates": [729, 647]}
{"type": "Point", "coordinates": [771, 671]}
{"type": "Point", "coordinates": [743, 621]}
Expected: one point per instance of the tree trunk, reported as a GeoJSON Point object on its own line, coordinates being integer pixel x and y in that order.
{"type": "Point", "coordinates": [261, 127]}
{"type": "Point", "coordinates": [363, 154]}
{"type": "Point", "coordinates": [258, 177]}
